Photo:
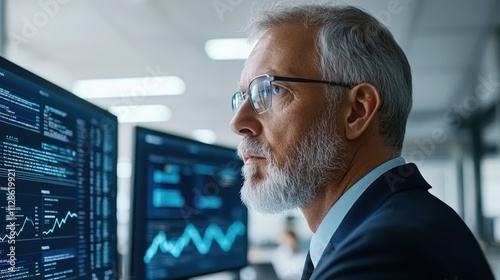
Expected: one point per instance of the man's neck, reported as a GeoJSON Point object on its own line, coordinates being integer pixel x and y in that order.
{"type": "Point", "coordinates": [357, 167]}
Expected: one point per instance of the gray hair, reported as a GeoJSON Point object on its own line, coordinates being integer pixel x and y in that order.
{"type": "Point", "coordinates": [354, 47]}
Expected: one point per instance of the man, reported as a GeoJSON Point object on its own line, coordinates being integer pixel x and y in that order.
{"type": "Point", "coordinates": [325, 95]}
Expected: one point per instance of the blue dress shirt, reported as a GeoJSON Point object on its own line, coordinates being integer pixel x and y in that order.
{"type": "Point", "coordinates": [334, 217]}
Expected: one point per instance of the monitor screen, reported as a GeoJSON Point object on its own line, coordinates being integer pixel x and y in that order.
{"type": "Point", "coordinates": [58, 158]}
{"type": "Point", "coordinates": [188, 218]}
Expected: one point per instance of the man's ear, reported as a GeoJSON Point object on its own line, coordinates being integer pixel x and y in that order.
{"type": "Point", "coordinates": [363, 101]}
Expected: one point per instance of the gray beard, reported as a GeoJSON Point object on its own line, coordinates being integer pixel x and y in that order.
{"type": "Point", "coordinates": [318, 160]}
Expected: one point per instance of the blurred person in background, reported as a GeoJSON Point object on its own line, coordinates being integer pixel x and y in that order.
{"type": "Point", "coordinates": [287, 259]}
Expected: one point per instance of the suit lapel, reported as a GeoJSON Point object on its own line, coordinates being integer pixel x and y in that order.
{"type": "Point", "coordinates": [404, 177]}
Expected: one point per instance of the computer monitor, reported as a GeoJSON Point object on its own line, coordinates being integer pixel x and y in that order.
{"type": "Point", "coordinates": [188, 218]}
{"type": "Point", "coordinates": [58, 157]}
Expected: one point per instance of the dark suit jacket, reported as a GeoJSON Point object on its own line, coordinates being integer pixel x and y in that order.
{"type": "Point", "coordinates": [398, 230]}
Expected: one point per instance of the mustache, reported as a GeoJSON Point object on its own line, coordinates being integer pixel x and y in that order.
{"type": "Point", "coordinates": [251, 146]}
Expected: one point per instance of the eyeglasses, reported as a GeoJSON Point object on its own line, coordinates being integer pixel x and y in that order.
{"type": "Point", "coordinates": [261, 90]}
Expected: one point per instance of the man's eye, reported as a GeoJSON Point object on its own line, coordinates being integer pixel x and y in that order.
{"type": "Point", "coordinates": [276, 90]}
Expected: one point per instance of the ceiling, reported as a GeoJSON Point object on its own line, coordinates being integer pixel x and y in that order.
{"type": "Point", "coordinates": [448, 43]}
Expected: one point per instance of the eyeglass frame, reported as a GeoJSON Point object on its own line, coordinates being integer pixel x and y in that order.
{"type": "Point", "coordinates": [272, 78]}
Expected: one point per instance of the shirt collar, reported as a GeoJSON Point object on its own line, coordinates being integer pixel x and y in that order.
{"type": "Point", "coordinates": [339, 210]}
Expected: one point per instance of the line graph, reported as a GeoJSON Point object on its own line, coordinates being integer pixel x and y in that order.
{"type": "Point", "coordinates": [61, 222]}
{"type": "Point", "coordinates": [26, 219]}
{"type": "Point", "coordinates": [202, 244]}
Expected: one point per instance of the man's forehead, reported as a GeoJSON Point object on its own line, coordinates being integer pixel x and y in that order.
{"type": "Point", "coordinates": [285, 51]}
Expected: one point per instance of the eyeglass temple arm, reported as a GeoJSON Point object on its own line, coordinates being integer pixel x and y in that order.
{"type": "Point", "coordinates": [303, 80]}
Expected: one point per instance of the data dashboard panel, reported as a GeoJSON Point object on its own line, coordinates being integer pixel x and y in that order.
{"type": "Point", "coordinates": [58, 157]}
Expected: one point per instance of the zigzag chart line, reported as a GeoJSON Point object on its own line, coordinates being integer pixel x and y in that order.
{"type": "Point", "coordinates": [60, 223]}
{"type": "Point", "coordinates": [191, 233]}
{"type": "Point", "coordinates": [26, 219]}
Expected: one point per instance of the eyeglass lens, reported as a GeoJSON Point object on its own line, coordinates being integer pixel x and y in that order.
{"type": "Point", "coordinates": [259, 92]}
{"type": "Point", "coordinates": [260, 95]}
